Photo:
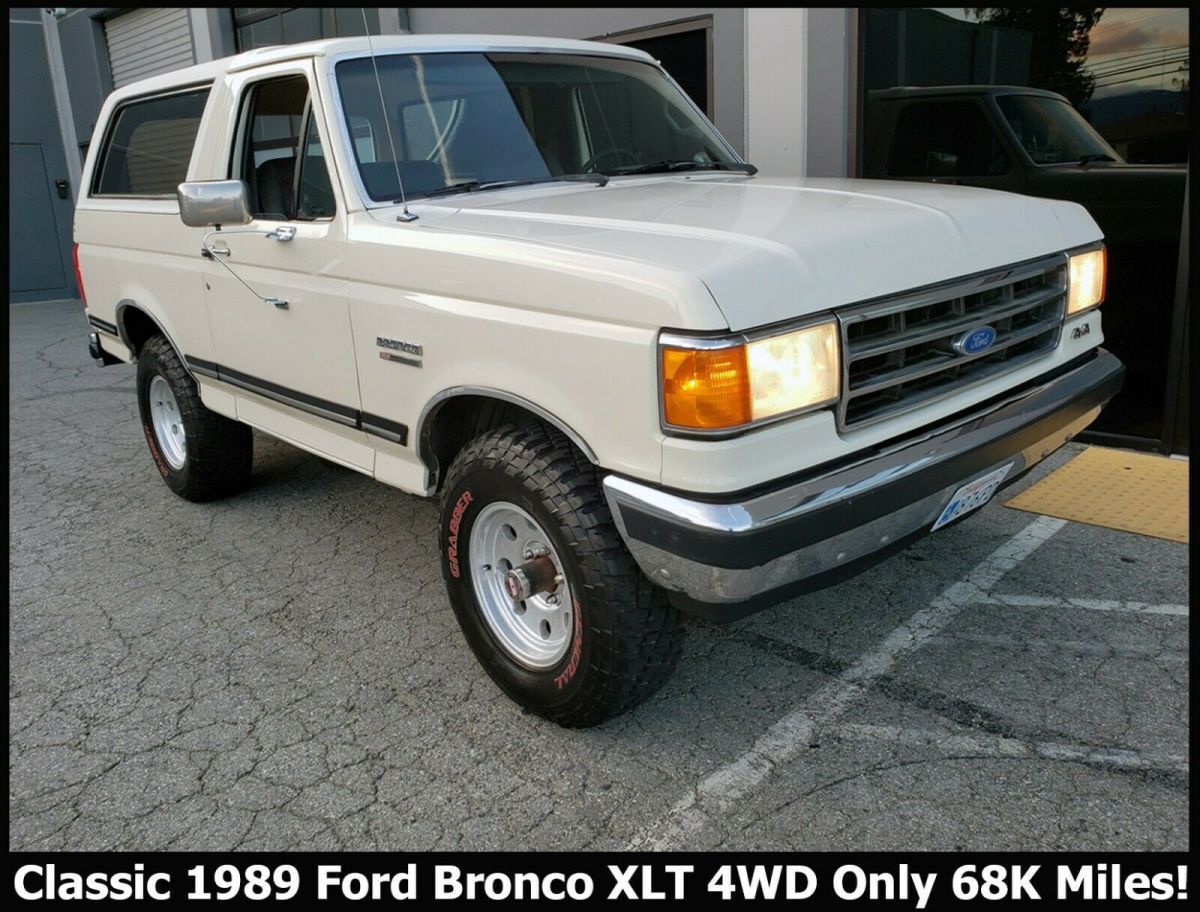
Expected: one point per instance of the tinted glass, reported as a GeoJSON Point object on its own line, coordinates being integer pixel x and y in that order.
{"type": "Point", "coordinates": [315, 195]}
{"type": "Point", "coordinates": [493, 117]}
{"type": "Point", "coordinates": [945, 139]}
{"type": "Point", "coordinates": [1051, 131]}
{"type": "Point", "coordinates": [149, 146]}
{"type": "Point", "coordinates": [271, 154]}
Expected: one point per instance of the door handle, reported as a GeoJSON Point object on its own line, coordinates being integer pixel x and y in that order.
{"type": "Point", "coordinates": [208, 251]}
{"type": "Point", "coordinates": [282, 233]}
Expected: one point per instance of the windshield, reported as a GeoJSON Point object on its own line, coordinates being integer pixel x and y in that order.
{"type": "Point", "coordinates": [1052, 131]}
{"type": "Point", "coordinates": [473, 118]}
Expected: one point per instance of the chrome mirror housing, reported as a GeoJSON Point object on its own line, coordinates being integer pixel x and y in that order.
{"type": "Point", "coordinates": [203, 204]}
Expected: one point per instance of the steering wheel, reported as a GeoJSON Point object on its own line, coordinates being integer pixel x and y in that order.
{"type": "Point", "coordinates": [618, 152]}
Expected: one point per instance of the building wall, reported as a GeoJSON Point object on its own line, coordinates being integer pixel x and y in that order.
{"type": "Point", "coordinates": [88, 80]}
{"type": "Point", "coordinates": [830, 95]}
{"type": "Point", "coordinates": [39, 242]}
{"type": "Point", "coordinates": [729, 81]}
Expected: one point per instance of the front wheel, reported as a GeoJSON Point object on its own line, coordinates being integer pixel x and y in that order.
{"type": "Point", "coordinates": [201, 455]}
{"type": "Point", "coordinates": [547, 595]}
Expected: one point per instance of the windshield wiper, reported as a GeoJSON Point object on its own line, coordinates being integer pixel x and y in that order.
{"type": "Point", "coordinates": [685, 165]}
{"type": "Point", "coordinates": [1095, 157]}
{"type": "Point", "coordinates": [478, 186]}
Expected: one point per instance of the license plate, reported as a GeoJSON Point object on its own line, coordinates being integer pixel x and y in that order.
{"type": "Point", "coordinates": [972, 496]}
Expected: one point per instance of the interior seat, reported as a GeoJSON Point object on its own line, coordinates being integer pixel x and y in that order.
{"type": "Point", "coordinates": [276, 194]}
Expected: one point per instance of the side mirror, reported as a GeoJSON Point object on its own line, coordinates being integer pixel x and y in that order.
{"type": "Point", "coordinates": [203, 204]}
{"type": "Point", "coordinates": [941, 164]}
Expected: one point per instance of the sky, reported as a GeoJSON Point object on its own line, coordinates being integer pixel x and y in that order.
{"type": "Point", "coordinates": [1132, 48]}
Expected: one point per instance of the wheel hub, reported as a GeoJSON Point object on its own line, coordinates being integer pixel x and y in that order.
{"type": "Point", "coordinates": [536, 576]}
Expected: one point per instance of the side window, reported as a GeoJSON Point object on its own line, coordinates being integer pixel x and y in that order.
{"type": "Point", "coordinates": [149, 145]}
{"type": "Point", "coordinates": [287, 179]}
{"type": "Point", "coordinates": [945, 139]}
{"type": "Point", "coordinates": [315, 197]}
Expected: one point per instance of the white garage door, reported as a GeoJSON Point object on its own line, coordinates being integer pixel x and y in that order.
{"type": "Point", "coordinates": [145, 42]}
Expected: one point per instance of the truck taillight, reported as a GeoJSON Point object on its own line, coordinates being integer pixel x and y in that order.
{"type": "Point", "coordinates": [78, 274]}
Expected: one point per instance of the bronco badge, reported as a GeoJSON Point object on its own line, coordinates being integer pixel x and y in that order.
{"type": "Point", "coordinates": [412, 352]}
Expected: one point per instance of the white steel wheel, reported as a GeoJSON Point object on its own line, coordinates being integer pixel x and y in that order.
{"type": "Point", "coordinates": [167, 422]}
{"type": "Point", "coordinates": [535, 630]}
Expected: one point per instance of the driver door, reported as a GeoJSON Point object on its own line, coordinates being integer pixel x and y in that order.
{"type": "Point", "coordinates": [291, 358]}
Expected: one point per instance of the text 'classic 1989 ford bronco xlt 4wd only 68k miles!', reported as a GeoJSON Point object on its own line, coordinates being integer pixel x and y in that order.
{"type": "Point", "coordinates": [527, 275]}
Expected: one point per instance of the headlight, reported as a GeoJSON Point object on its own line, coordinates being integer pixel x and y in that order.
{"type": "Point", "coordinates": [726, 384]}
{"type": "Point", "coordinates": [1085, 281]}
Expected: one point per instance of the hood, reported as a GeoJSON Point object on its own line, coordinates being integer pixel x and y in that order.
{"type": "Point", "coordinates": [771, 249]}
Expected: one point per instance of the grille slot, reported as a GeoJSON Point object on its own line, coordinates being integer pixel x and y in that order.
{"type": "Point", "coordinates": [899, 352]}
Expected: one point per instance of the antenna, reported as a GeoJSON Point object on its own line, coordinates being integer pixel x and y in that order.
{"type": "Point", "coordinates": [406, 216]}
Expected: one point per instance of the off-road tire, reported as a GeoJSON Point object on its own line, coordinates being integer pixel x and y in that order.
{"type": "Point", "coordinates": [627, 637]}
{"type": "Point", "coordinates": [219, 449]}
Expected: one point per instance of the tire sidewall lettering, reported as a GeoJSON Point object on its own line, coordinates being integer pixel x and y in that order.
{"type": "Point", "coordinates": [453, 526]}
{"type": "Point", "coordinates": [576, 654]}
{"type": "Point", "coordinates": [161, 463]}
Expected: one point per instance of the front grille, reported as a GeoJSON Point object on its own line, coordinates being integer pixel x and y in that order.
{"type": "Point", "coordinates": [899, 353]}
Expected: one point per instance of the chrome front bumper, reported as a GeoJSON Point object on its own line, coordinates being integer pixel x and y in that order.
{"type": "Point", "coordinates": [724, 558]}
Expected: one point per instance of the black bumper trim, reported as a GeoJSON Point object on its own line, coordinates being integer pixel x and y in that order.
{"type": "Point", "coordinates": [1033, 418]}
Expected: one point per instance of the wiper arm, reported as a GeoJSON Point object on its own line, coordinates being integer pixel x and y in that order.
{"type": "Point", "coordinates": [686, 165]}
{"type": "Point", "coordinates": [478, 186]}
{"type": "Point", "coordinates": [1095, 157]}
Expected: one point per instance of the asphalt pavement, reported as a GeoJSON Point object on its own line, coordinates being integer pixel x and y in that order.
{"type": "Point", "coordinates": [282, 671]}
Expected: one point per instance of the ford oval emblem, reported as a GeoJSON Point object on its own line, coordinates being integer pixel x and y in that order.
{"type": "Point", "coordinates": [975, 341]}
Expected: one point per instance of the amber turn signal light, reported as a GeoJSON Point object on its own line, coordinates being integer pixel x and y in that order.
{"type": "Point", "coordinates": [706, 389]}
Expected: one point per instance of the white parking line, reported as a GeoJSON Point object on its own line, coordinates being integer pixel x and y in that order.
{"type": "Point", "coordinates": [978, 745]}
{"type": "Point", "coordinates": [793, 733]}
{"type": "Point", "coordinates": [1074, 647]}
{"type": "Point", "coordinates": [1042, 601]}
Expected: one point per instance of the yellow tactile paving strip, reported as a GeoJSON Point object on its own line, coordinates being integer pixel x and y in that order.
{"type": "Point", "coordinates": [1135, 492]}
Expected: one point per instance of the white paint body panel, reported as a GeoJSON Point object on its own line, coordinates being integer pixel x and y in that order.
{"type": "Point", "coordinates": [769, 249]}
{"type": "Point", "coordinates": [553, 294]}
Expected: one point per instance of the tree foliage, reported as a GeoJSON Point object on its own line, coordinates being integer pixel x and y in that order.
{"type": "Point", "coordinates": [1061, 36]}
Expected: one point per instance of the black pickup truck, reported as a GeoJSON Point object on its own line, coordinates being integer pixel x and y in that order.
{"type": "Point", "coordinates": [1034, 142]}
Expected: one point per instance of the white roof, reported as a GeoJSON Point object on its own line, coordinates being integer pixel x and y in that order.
{"type": "Point", "coordinates": [328, 47]}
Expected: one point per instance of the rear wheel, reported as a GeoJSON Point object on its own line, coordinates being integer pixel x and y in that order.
{"type": "Point", "coordinates": [547, 595]}
{"type": "Point", "coordinates": [201, 455]}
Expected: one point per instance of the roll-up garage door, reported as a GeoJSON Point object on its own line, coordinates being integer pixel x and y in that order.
{"type": "Point", "coordinates": [145, 42]}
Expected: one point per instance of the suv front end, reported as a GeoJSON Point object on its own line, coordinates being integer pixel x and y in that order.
{"type": "Point", "coordinates": [726, 554]}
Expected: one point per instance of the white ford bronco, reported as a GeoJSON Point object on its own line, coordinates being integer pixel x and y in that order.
{"type": "Point", "coordinates": [529, 277]}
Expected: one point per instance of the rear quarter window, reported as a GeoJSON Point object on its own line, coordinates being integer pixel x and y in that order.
{"type": "Point", "coordinates": [148, 147]}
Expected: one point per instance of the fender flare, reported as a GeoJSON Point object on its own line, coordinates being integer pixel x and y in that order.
{"type": "Point", "coordinates": [125, 304]}
{"type": "Point", "coordinates": [440, 399]}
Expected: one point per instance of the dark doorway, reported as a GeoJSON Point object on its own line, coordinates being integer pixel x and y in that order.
{"type": "Point", "coordinates": [685, 51]}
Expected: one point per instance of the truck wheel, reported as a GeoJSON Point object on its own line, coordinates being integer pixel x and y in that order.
{"type": "Point", "coordinates": [201, 455]}
{"type": "Point", "coordinates": [544, 589]}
